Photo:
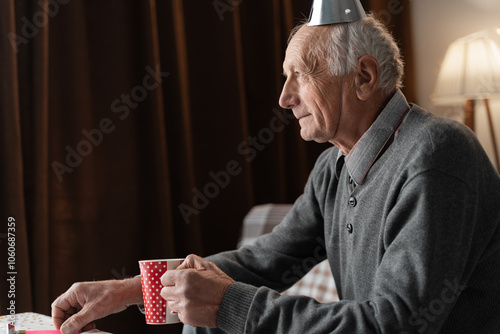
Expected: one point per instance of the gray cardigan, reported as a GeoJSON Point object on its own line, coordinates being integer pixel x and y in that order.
{"type": "Point", "coordinates": [409, 222]}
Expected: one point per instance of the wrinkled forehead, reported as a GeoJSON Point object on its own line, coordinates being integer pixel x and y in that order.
{"type": "Point", "coordinates": [303, 41]}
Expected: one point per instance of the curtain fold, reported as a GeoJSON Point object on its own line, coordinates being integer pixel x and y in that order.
{"type": "Point", "coordinates": [36, 147]}
{"type": "Point", "coordinates": [145, 129]}
{"type": "Point", "coordinates": [243, 103]}
{"type": "Point", "coordinates": [158, 141]}
{"type": "Point", "coordinates": [12, 205]}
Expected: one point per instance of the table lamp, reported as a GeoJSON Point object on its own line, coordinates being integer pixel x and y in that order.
{"type": "Point", "coordinates": [470, 72]}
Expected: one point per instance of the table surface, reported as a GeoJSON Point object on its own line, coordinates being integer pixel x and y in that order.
{"type": "Point", "coordinates": [36, 321]}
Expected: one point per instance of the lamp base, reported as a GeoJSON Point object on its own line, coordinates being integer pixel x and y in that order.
{"type": "Point", "coordinates": [492, 132]}
{"type": "Point", "coordinates": [469, 110]}
{"type": "Point", "coordinates": [469, 114]}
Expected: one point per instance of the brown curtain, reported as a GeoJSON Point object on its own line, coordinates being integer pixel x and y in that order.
{"type": "Point", "coordinates": [143, 129]}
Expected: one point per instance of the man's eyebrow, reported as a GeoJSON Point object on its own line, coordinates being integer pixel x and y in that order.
{"type": "Point", "coordinates": [286, 68]}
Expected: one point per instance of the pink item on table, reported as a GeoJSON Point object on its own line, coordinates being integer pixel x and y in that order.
{"type": "Point", "coordinates": [50, 331]}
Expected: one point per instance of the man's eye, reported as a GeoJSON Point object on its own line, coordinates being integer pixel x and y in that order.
{"type": "Point", "coordinates": [298, 74]}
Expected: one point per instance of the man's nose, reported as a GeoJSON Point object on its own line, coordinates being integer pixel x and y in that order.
{"type": "Point", "coordinates": [289, 98]}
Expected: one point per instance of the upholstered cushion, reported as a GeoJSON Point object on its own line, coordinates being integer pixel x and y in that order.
{"type": "Point", "coordinates": [318, 283]}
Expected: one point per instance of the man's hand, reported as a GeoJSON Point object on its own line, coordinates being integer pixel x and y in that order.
{"type": "Point", "coordinates": [77, 308]}
{"type": "Point", "coordinates": [195, 291]}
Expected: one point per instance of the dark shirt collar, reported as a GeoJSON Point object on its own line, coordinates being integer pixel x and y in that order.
{"type": "Point", "coordinates": [374, 141]}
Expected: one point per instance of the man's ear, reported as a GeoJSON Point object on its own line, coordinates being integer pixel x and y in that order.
{"type": "Point", "coordinates": [367, 76]}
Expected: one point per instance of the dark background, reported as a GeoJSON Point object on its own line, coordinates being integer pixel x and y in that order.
{"type": "Point", "coordinates": [66, 66]}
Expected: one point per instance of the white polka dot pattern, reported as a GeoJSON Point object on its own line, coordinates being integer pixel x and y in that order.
{"type": "Point", "coordinates": [154, 305]}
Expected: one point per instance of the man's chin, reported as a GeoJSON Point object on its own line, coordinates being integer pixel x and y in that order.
{"type": "Point", "coordinates": [309, 137]}
{"type": "Point", "coordinates": [306, 136]}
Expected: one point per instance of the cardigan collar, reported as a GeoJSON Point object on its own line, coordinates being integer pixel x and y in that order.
{"type": "Point", "coordinates": [376, 139]}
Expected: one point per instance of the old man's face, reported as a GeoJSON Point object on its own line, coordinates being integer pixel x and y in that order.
{"type": "Point", "coordinates": [310, 91]}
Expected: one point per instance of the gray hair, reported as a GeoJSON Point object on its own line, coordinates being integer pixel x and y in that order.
{"type": "Point", "coordinates": [363, 37]}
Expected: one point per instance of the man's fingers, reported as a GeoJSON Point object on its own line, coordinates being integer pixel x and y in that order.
{"type": "Point", "coordinates": [85, 302]}
{"type": "Point", "coordinates": [88, 327]}
{"type": "Point", "coordinates": [168, 278]}
{"type": "Point", "coordinates": [77, 322]}
{"type": "Point", "coordinates": [167, 293]}
{"type": "Point", "coordinates": [195, 291]}
{"type": "Point", "coordinates": [58, 317]}
{"type": "Point", "coordinates": [193, 261]}
{"type": "Point", "coordinates": [61, 310]}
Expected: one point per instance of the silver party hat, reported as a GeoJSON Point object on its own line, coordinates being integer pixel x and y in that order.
{"type": "Point", "coordinates": [335, 11]}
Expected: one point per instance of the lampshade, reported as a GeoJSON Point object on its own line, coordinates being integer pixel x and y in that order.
{"type": "Point", "coordinates": [335, 11]}
{"type": "Point", "coordinates": [470, 70]}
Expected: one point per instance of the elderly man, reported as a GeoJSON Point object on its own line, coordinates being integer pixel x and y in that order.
{"type": "Point", "coordinates": [405, 206]}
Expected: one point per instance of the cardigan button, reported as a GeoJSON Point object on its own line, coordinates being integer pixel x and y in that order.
{"type": "Point", "coordinates": [352, 201]}
{"type": "Point", "coordinates": [349, 228]}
